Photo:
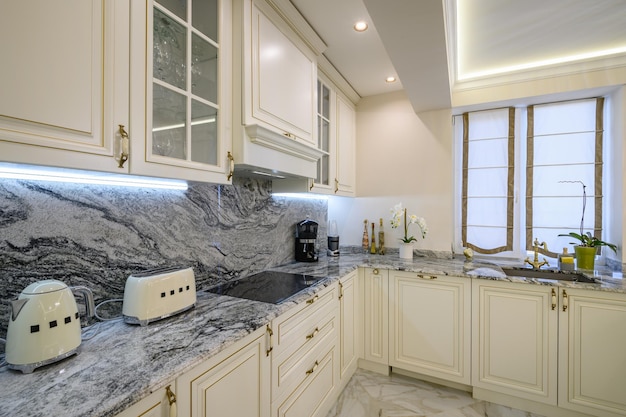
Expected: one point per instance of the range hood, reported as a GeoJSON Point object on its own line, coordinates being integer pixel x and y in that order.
{"type": "Point", "coordinates": [265, 153]}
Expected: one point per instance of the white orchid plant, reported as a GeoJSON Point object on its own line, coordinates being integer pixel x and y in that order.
{"type": "Point", "coordinates": [399, 215]}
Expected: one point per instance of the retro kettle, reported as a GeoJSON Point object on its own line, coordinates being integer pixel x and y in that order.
{"type": "Point", "coordinates": [44, 325]}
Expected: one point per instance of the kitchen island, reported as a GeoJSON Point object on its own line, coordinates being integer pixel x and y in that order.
{"type": "Point", "coordinates": [120, 363]}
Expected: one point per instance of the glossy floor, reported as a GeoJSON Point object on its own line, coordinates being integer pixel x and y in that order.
{"type": "Point", "coordinates": [372, 395]}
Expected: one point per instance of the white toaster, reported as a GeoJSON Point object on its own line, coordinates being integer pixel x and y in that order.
{"type": "Point", "coordinates": [158, 293]}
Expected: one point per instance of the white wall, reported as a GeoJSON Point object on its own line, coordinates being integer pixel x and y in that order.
{"type": "Point", "coordinates": [401, 157]}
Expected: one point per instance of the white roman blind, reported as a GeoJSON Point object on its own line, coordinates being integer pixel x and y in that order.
{"type": "Point", "coordinates": [564, 151]}
{"type": "Point", "coordinates": [487, 180]}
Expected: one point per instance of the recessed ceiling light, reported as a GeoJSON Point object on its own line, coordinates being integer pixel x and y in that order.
{"type": "Point", "coordinates": [391, 79]}
{"type": "Point", "coordinates": [360, 26]}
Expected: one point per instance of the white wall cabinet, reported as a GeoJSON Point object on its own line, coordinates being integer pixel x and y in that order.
{"type": "Point", "coordinates": [233, 383]}
{"type": "Point", "coordinates": [592, 365]}
{"type": "Point", "coordinates": [181, 90]}
{"type": "Point", "coordinates": [349, 319]}
{"type": "Point", "coordinates": [275, 69]}
{"type": "Point", "coordinates": [64, 83]}
{"type": "Point", "coordinates": [336, 139]}
{"type": "Point", "coordinates": [515, 339]}
{"type": "Point", "coordinates": [430, 330]}
{"type": "Point", "coordinates": [345, 177]}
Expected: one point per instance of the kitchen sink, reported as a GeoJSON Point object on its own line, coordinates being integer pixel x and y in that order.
{"type": "Point", "coordinates": [548, 274]}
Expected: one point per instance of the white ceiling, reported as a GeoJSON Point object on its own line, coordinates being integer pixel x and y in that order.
{"type": "Point", "coordinates": [408, 38]}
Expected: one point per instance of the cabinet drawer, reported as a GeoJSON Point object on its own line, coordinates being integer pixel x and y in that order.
{"type": "Point", "coordinates": [289, 371]}
{"type": "Point", "coordinates": [313, 396]}
{"type": "Point", "coordinates": [293, 328]}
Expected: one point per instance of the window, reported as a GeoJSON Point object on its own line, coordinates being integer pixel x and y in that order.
{"type": "Point", "coordinates": [543, 153]}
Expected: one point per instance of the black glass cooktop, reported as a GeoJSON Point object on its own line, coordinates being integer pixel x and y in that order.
{"type": "Point", "coordinates": [267, 286]}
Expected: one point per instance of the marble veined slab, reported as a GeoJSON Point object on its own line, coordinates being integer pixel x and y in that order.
{"type": "Point", "coordinates": [120, 364]}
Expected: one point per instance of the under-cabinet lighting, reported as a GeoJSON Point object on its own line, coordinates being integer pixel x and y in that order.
{"type": "Point", "coordinates": [390, 79]}
{"type": "Point", "coordinates": [301, 195]}
{"type": "Point", "coordinates": [34, 173]}
{"type": "Point", "coordinates": [268, 174]}
{"type": "Point", "coordinates": [179, 125]}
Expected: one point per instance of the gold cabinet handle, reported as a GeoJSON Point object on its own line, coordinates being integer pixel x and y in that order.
{"type": "Point", "coordinates": [312, 300]}
{"type": "Point", "coordinates": [310, 371]}
{"type": "Point", "coordinates": [336, 185]}
{"type": "Point", "coordinates": [268, 334]}
{"type": "Point", "coordinates": [124, 146]}
{"type": "Point", "coordinates": [231, 165]}
{"type": "Point", "coordinates": [312, 335]}
{"type": "Point", "coordinates": [290, 135]}
{"type": "Point", "coordinates": [340, 290]}
{"type": "Point", "coordinates": [426, 276]}
{"type": "Point", "coordinates": [553, 299]}
{"type": "Point", "coordinates": [171, 398]}
{"type": "Point", "coordinates": [375, 271]}
{"type": "Point", "coordinates": [565, 301]}
{"type": "Point", "coordinates": [312, 185]}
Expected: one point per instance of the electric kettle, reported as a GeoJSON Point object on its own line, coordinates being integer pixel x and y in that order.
{"type": "Point", "coordinates": [44, 326]}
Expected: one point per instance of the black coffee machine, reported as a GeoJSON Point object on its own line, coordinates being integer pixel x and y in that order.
{"type": "Point", "coordinates": [306, 240]}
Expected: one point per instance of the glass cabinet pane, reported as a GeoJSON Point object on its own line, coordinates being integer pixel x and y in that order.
{"type": "Point", "coordinates": [178, 7]}
{"type": "Point", "coordinates": [204, 17]}
{"type": "Point", "coordinates": [203, 69]}
{"type": "Point", "coordinates": [323, 133]}
{"type": "Point", "coordinates": [203, 133]}
{"type": "Point", "coordinates": [169, 121]}
{"type": "Point", "coordinates": [185, 81]}
{"type": "Point", "coordinates": [169, 50]}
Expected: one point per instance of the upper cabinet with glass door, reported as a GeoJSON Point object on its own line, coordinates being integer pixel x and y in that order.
{"type": "Point", "coordinates": [181, 81]}
{"type": "Point", "coordinates": [64, 83]}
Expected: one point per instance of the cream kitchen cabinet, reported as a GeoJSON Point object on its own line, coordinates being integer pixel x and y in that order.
{"type": "Point", "coordinates": [161, 403]}
{"type": "Point", "coordinates": [515, 339]}
{"type": "Point", "coordinates": [180, 92]}
{"type": "Point", "coordinates": [374, 288]}
{"type": "Point", "coordinates": [275, 76]}
{"type": "Point", "coordinates": [232, 383]}
{"type": "Point", "coordinates": [336, 139]}
{"type": "Point", "coordinates": [64, 83]}
{"type": "Point", "coordinates": [305, 366]}
{"type": "Point", "coordinates": [592, 365]}
{"type": "Point", "coordinates": [430, 325]}
{"type": "Point", "coordinates": [558, 347]}
{"type": "Point", "coordinates": [349, 319]}
{"type": "Point", "coordinates": [345, 176]}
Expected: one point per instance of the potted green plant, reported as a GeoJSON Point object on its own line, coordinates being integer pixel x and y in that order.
{"type": "Point", "coordinates": [587, 246]}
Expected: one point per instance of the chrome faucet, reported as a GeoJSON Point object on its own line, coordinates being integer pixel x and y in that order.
{"type": "Point", "coordinates": [535, 263]}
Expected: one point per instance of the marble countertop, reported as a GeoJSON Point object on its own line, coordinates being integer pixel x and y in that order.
{"type": "Point", "coordinates": [120, 363]}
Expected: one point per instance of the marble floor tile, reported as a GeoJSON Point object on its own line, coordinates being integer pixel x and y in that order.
{"type": "Point", "coordinates": [369, 394]}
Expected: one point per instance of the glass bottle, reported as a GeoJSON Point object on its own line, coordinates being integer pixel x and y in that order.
{"type": "Point", "coordinates": [373, 246]}
{"type": "Point", "coordinates": [366, 240]}
{"type": "Point", "coordinates": [381, 238]}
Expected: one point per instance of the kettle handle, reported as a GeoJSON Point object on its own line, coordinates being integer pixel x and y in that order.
{"type": "Point", "coordinates": [88, 297]}
{"type": "Point", "coordinates": [16, 307]}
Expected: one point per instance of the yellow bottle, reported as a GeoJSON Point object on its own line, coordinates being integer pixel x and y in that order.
{"type": "Point", "coordinates": [381, 239]}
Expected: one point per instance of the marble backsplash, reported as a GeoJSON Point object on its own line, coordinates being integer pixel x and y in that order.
{"type": "Point", "coordinates": [97, 236]}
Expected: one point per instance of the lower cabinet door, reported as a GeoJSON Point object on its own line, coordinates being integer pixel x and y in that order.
{"type": "Point", "coordinates": [430, 331]}
{"type": "Point", "coordinates": [515, 339]}
{"type": "Point", "coordinates": [156, 404]}
{"type": "Point", "coordinates": [592, 363]}
{"type": "Point", "coordinates": [313, 398]}
{"type": "Point", "coordinates": [234, 383]}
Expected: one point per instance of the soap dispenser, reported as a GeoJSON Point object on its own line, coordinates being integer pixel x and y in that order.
{"type": "Point", "coordinates": [566, 261]}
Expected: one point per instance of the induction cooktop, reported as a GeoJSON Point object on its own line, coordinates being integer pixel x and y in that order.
{"type": "Point", "coordinates": [267, 286]}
